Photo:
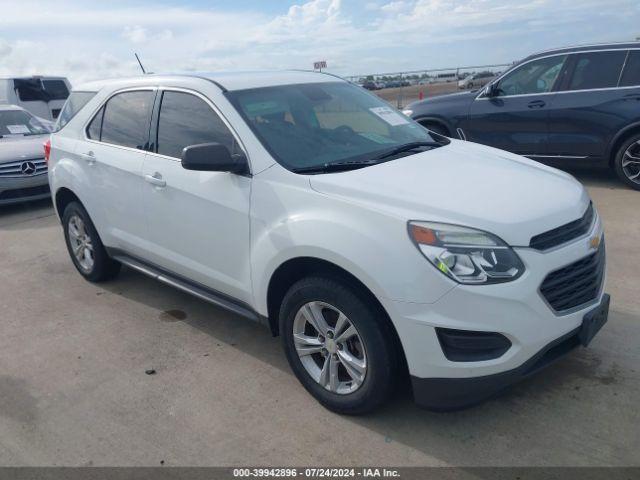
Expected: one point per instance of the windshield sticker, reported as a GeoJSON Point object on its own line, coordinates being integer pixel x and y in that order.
{"type": "Point", "coordinates": [18, 129]}
{"type": "Point", "coordinates": [390, 116]}
{"type": "Point", "coordinates": [374, 137]}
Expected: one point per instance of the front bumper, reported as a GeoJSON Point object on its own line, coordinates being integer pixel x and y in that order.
{"type": "Point", "coordinates": [26, 188]}
{"type": "Point", "coordinates": [516, 310]}
{"type": "Point", "coordinates": [446, 394]}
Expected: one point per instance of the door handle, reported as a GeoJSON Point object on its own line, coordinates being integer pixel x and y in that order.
{"type": "Point", "coordinates": [88, 157]}
{"type": "Point", "coordinates": [536, 104]}
{"type": "Point", "coordinates": [632, 96]}
{"type": "Point", "coordinates": [156, 180]}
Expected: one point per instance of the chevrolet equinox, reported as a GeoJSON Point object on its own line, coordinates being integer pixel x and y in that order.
{"type": "Point", "coordinates": [372, 246]}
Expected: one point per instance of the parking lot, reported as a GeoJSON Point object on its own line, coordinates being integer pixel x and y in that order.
{"type": "Point", "coordinates": [74, 388]}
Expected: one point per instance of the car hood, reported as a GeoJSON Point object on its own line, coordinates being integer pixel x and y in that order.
{"type": "Point", "coordinates": [465, 184]}
{"type": "Point", "coordinates": [14, 149]}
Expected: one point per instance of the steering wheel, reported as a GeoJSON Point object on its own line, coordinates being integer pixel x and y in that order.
{"type": "Point", "coordinates": [344, 133]}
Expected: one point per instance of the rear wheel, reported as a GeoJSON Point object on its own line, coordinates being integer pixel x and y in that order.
{"type": "Point", "coordinates": [85, 247]}
{"type": "Point", "coordinates": [338, 345]}
{"type": "Point", "coordinates": [627, 162]}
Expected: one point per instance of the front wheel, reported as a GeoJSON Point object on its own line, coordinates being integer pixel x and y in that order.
{"type": "Point", "coordinates": [627, 162]}
{"type": "Point", "coordinates": [339, 346]}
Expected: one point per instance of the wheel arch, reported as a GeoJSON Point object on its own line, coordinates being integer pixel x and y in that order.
{"type": "Point", "coordinates": [423, 120]}
{"type": "Point", "coordinates": [63, 197]}
{"type": "Point", "coordinates": [295, 269]}
{"type": "Point", "coordinates": [622, 136]}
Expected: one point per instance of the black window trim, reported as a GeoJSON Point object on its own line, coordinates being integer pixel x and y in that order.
{"type": "Point", "coordinates": [102, 108]}
{"type": "Point", "coordinates": [153, 134]}
{"type": "Point", "coordinates": [481, 93]}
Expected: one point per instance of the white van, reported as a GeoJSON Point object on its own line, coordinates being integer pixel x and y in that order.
{"type": "Point", "coordinates": [42, 96]}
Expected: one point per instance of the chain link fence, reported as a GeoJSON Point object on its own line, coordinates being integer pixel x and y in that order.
{"type": "Point", "coordinates": [402, 88]}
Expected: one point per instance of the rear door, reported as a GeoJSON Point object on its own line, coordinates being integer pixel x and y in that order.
{"type": "Point", "coordinates": [111, 160]}
{"type": "Point", "coordinates": [516, 119]}
{"type": "Point", "coordinates": [590, 107]}
{"type": "Point", "coordinates": [198, 221]}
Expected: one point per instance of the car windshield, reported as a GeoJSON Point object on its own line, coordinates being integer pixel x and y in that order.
{"type": "Point", "coordinates": [311, 125]}
{"type": "Point", "coordinates": [20, 123]}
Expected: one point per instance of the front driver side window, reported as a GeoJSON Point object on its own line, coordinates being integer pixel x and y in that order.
{"type": "Point", "coordinates": [534, 77]}
{"type": "Point", "coordinates": [187, 120]}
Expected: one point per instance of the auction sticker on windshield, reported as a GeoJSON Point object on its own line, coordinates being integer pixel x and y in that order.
{"type": "Point", "coordinates": [389, 115]}
{"type": "Point", "coordinates": [18, 129]}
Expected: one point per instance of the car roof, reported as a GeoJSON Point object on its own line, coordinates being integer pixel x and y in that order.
{"type": "Point", "coordinates": [585, 48]}
{"type": "Point", "coordinates": [227, 81]}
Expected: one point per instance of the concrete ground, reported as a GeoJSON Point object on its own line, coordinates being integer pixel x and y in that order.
{"type": "Point", "coordinates": [73, 388]}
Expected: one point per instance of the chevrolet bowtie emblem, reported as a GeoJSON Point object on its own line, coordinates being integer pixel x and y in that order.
{"type": "Point", "coordinates": [594, 243]}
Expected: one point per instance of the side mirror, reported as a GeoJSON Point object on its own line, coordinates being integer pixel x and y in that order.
{"type": "Point", "coordinates": [491, 90]}
{"type": "Point", "coordinates": [212, 157]}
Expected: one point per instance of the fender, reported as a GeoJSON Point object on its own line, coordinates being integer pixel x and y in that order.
{"type": "Point", "coordinates": [616, 138]}
{"type": "Point", "coordinates": [353, 236]}
{"type": "Point", "coordinates": [293, 241]}
{"type": "Point", "coordinates": [437, 119]}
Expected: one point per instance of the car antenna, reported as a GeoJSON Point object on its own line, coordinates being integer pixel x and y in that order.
{"type": "Point", "coordinates": [140, 63]}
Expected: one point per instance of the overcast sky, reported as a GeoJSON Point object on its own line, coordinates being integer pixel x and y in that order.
{"type": "Point", "coordinates": [87, 40]}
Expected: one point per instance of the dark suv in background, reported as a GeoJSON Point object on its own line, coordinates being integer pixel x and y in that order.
{"type": "Point", "coordinates": [565, 106]}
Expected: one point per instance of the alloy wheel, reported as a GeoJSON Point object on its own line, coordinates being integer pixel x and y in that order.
{"type": "Point", "coordinates": [81, 244]}
{"type": "Point", "coordinates": [631, 162]}
{"type": "Point", "coordinates": [330, 347]}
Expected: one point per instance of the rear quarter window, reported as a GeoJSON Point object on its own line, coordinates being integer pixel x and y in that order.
{"type": "Point", "coordinates": [72, 106]}
{"type": "Point", "coordinates": [631, 74]}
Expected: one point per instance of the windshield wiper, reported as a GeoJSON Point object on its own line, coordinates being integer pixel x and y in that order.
{"type": "Point", "coordinates": [335, 167]}
{"type": "Point", "coordinates": [407, 147]}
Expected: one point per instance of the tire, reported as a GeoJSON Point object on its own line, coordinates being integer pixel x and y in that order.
{"type": "Point", "coordinates": [623, 163]}
{"type": "Point", "coordinates": [373, 345]}
{"type": "Point", "coordinates": [93, 262]}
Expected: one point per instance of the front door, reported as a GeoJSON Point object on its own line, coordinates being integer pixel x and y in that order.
{"type": "Point", "coordinates": [516, 117]}
{"type": "Point", "coordinates": [198, 221]}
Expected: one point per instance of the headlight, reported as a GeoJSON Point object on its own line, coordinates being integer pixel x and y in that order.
{"type": "Point", "coordinates": [407, 112]}
{"type": "Point", "coordinates": [466, 255]}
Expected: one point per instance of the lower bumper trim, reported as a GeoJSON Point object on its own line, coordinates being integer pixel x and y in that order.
{"type": "Point", "coordinates": [449, 394]}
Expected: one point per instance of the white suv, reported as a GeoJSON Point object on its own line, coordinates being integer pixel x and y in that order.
{"type": "Point", "coordinates": [372, 246]}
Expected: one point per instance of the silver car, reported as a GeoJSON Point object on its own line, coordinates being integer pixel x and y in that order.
{"type": "Point", "coordinates": [22, 165]}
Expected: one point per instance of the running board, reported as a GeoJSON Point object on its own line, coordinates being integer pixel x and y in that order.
{"type": "Point", "coordinates": [187, 286]}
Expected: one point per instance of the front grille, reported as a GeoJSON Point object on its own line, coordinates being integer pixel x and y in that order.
{"type": "Point", "coordinates": [24, 192]}
{"type": "Point", "coordinates": [576, 284]}
{"type": "Point", "coordinates": [564, 233]}
{"type": "Point", "coordinates": [14, 169]}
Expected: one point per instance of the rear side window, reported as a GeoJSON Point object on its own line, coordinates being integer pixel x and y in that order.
{"type": "Point", "coordinates": [29, 89]}
{"type": "Point", "coordinates": [187, 120]}
{"type": "Point", "coordinates": [125, 120]}
{"type": "Point", "coordinates": [631, 74]}
{"type": "Point", "coordinates": [55, 89]}
{"type": "Point", "coordinates": [35, 89]}
{"type": "Point", "coordinates": [597, 70]}
{"type": "Point", "coordinates": [74, 103]}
